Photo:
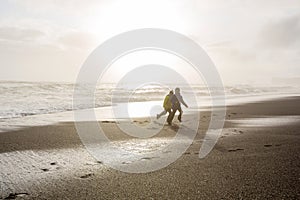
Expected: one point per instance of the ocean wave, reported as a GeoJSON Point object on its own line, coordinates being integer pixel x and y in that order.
{"type": "Point", "coordinates": [20, 99]}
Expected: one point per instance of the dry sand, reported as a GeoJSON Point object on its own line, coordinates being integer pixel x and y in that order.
{"type": "Point", "coordinates": [254, 159]}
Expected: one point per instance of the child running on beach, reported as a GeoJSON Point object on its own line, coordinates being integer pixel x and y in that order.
{"type": "Point", "coordinates": [167, 105]}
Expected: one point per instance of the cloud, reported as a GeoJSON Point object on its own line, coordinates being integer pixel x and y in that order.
{"type": "Point", "coordinates": [76, 39]}
{"type": "Point", "coordinates": [20, 34]}
{"type": "Point", "coordinates": [272, 49]}
{"type": "Point", "coordinates": [73, 7]}
{"type": "Point", "coordinates": [40, 34]}
{"type": "Point", "coordinates": [281, 34]}
{"type": "Point", "coordinates": [245, 38]}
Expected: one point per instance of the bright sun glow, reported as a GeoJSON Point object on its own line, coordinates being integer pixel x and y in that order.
{"type": "Point", "coordinates": [133, 60]}
{"type": "Point", "coordinates": [121, 16]}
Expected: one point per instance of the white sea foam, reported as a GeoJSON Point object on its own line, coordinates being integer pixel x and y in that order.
{"type": "Point", "coordinates": [29, 104]}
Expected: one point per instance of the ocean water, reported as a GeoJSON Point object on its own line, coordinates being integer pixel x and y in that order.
{"type": "Point", "coordinates": [20, 101]}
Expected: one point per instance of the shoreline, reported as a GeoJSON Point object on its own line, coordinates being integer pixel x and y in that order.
{"type": "Point", "coordinates": [105, 113]}
{"type": "Point", "coordinates": [50, 162]}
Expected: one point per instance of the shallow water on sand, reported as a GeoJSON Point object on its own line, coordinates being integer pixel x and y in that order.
{"type": "Point", "coordinates": [117, 112]}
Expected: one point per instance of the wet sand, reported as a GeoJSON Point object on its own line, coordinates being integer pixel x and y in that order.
{"type": "Point", "coordinates": [257, 157]}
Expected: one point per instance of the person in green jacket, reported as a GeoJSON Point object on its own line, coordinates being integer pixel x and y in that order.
{"type": "Point", "coordinates": [167, 105]}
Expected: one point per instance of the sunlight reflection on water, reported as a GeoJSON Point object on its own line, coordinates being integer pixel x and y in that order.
{"type": "Point", "coordinates": [273, 121]}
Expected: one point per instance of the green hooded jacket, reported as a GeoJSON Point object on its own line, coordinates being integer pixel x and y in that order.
{"type": "Point", "coordinates": [167, 103]}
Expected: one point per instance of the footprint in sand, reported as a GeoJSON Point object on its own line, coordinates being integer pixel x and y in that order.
{"type": "Point", "coordinates": [147, 158]}
{"type": "Point", "coordinates": [108, 122]}
{"type": "Point", "coordinates": [94, 163]}
{"type": "Point", "coordinates": [53, 163]}
{"type": "Point", "coordinates": [15, 195]}
{"type": "Point", "coordinates": [238, 131]}
{"type": "Point", "coordinates": [268, 145]}
{"type": "Point", "coordinates": [237, 149]}
{"type": "Point", "coordinates": [87, 175]}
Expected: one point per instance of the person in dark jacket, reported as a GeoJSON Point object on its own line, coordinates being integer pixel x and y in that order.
{"type": "Point", "coordinates": [176, 101]}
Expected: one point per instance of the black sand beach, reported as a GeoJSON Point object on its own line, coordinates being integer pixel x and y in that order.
{"type": "Point", "coordinates": [252, 160]}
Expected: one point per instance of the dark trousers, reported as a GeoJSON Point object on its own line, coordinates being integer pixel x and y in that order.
{"type": "Point", "coordinates": [172, 114]}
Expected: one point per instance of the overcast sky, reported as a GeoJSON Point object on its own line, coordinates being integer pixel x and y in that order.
{"type": "Point", "coordinates": [250, 41]}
